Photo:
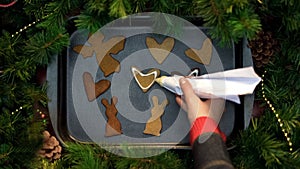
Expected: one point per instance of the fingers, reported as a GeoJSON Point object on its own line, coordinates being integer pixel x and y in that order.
{"type": "Point", "coordinates": [188, 92]}
{"type": "Point", "coordinates": [205, 95]}
{"type": "Point", "coordinates": [186, 87]}
{"type": "Point", "coordinates": [181, 103]}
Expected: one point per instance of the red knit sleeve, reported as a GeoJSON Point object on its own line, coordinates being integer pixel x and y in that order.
{"type": "Point", "coordinates": [204, 125]}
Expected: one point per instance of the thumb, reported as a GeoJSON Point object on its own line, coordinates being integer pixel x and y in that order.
{"type": "Point", "coordinates": [186, 87]}
{"type": "Point", "coordinates": [188, 92]}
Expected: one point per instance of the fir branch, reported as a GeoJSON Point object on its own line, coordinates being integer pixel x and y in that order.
{"type": "Point", "coordinates": [20, 70]}
{"type": "Point", "coordinates": [91, 22]}
{"type": "Point", "coordinates": [5, 151]}
{"type": "Point", "coordinates": [10, 48]}
{"type": "Point", "coordinates": [87, 156]}
{"type": "Point", "coordinates": [211, 11]}
{"type": "Point", "coordinates": [258, 148]}
{"type": "Point", "coordinates": [7, 93]}
{"type": "Point", "coordinates": [35, 7]}
{"type": "Point", "coordinates": [182, 8]}
{"type": "Point", "coordinates": [288, 2]}
{"type": "Point", "coordinates": [160, 6]}
{"type": "Point", "coordinates": [139, 5]}
{"type": "Point", "coordinates": [244, 24]}
{"type": "Point", "coordinates": [32, 93]}
{"type": "Point", "coordinates": [214, 15]}
{"type": "Point", "coordinates": [175, 7]}
{"type": "Point", "coordinates": [286, 14]}
{"type": "Point", "coordinates": [43, 45]}
{"type": "Point", "coordinates": [23, 136]}
{"type": "Point", "coordinates": [290, 114]}
{"type": "Point", "coordinates": [280, 90]}
{"type": "Point", "coordinates": [8, 125]}
{"type": "Point", "coordinates": [46, 164]}
{"type": "Point", "coordinates": [57, 11]}
{"type": "Point", "coordinates": [292, 21]}
{"type": "Point", "coordinates": [291, 17]}
{"type": "Point", "coordinates": [272, 152]}
{"type": "Point", "coordinates": [119, 8]}
{"type": "Point", "coordinates": [229, 20]}
{"type": "Point", "coordinates": [96, 7]}
{"type": "Point", "coordinates": [291, 48]}
{"type": "Point", "coordinates": [161, 161]}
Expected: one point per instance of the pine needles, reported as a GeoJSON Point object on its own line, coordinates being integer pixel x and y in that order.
{"type": "Point", "coordinates": [261, 147]}
{"type": "Point", "coordinates": [92, 156]}
{"type": "Point", "coordinates": [229, 20]}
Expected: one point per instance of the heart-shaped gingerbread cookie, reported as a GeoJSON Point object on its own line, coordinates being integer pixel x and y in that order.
{"type": "Point", "coordinates": [145, 81]}
{"type": "Point", "coordinates": [203, 55]}
{"type": "Point", "coordinates": [160, 51]}
{"type": "Point", "coordinates": [92, 89]}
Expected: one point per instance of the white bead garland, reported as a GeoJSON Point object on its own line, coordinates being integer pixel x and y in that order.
{"type": "Point", "coordinates": [17, 110]}
{"type": "Point", "coordinates": [29, 25]}
{"type": "Point", "coordinates": [42, 115]}
{"type": "Point", "coordinates": [285, 132]}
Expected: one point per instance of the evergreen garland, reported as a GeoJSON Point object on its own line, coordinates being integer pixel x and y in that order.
{"type": "Point", "coordinates": [262, 145]}
{"type": "Point", "coordinates": [230, 20]}
{"type": "Point", "coordinates": [92, 156]}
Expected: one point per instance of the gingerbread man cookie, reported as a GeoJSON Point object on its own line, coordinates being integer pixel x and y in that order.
{"type": "Point", "coordinates": [154, 125]}
{"type": "Point", "coordinates": [103, 50]}
{"type": "Point", "coordinates": [113, 125]}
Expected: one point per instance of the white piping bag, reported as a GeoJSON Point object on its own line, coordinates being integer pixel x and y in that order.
{"type": "Point", "coordinates": [227, 84]}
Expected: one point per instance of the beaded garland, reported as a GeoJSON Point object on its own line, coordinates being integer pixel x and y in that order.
{"type": "Point", "coordinates": [43, 115]}
{"type": "Point", "coordinates": [17, 110]}
{"type": "Point", "coordinates": [29, 25]}
{"type": "Point", "coordinates": [285, 132]}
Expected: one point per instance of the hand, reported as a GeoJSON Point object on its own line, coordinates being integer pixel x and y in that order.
{"type": "Point", "coordinates": [194, 107]}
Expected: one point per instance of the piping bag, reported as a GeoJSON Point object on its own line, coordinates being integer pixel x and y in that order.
{"type": "Point", "coordinates": [227, 84]}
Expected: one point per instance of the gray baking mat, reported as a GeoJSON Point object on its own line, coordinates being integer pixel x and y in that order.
{"type": "Point", "coordinates": [86, 120]}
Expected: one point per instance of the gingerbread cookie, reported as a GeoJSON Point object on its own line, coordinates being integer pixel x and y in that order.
{"type": "Point", "coordinates": [145, 81]}
{"type": "Point", "coordinates": [154, 125]}
{"type": "Point", "coordinates": [202, 55]}
{"type": "Point", "coordinates": [160, 51]}
{"type": "Point", "coordinates": [103, 50]}
{"type": "Point", "coordinates": [109, 65]}
{"type": "Point", "coordinates": [92, 89]}
{"type": "Point", "coordinates": [113, 125]}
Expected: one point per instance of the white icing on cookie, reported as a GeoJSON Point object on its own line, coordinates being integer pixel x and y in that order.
{"type": "Point", "coordinates": [152, 74]}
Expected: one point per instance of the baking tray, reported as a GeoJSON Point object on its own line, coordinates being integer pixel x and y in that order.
{"type": "Point", "coordinates": [75, 118]}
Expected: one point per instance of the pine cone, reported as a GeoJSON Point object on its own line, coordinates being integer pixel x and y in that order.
{"type": "Point", "coordinates": [51, 148]}
{"type": "Point", "coordinates": [263, 47]}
